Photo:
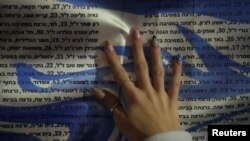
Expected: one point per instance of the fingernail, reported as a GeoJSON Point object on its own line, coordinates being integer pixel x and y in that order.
{"type": "Point", "coordinates": [154, 41]}
{"type": "Point", "coordinates": [98, 93]}
{"type": "Point", "coordinates": [135, 33]}
{"type": "Point", "coordinates": [179, 57]}
{"type": "Point", "coordinates": [108, 46]}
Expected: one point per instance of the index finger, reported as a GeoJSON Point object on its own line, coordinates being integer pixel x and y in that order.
{"type": "Point", "coordinates": [175, 81]}
{"type": "Point", "coordinates": [118, 71]}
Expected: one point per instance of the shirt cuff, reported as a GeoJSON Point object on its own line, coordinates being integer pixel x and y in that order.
{"type": "Point", "coordinates": [170, 136]}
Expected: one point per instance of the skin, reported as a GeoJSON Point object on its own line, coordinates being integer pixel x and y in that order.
{"type": "Point", "coordinates": [150, 108]}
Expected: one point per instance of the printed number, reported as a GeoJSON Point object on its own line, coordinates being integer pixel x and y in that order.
{"type": "Point", "coordinates": [53, 15]}
{"type": "Point", "coordinates": [49, 65]}
{"type": "Point", "coordinates": [230, 39]}
{"type": "Point", "coordinates": [55, 6]}
{"type": "Point", "coordinates": [246, 64]}
{"type": "Point", "coordinates": [50, 72]}
{"type": "Point", "coordinates": [55, 40]}
{"type": "Point", "coordinates": [57, 98]}
{"type": "Point", "coordinates": [222, 30]}
{"type": "Point", "coordinates": [63, 23]}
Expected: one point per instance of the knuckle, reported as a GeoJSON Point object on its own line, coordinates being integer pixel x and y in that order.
{"type": "Point", "coordinates": [176, 84]}
{"type": "Point", "coordinates": [123, 82]}
{"type": "Point", "coordinates": [118, 71]}
{"type": "Point", "coordinates": [141, 65]}
{"type": "Point", "coordinates": [137, 43]}
{"type": "Point", "coordinates": [176, 73]}
{"type": "Point", "coordinates": [136, 99]}
{"type": "Point", "coordinates": [159, 72]}
{"type": "Point", "coordinates": [177, 68]}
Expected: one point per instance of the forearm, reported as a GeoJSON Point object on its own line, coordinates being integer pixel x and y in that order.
{"type": "Point", "coordinates": [170, 136]}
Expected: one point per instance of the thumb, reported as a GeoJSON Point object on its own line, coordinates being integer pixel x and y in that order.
{"type": "Point", "coordinates": [109, 100]}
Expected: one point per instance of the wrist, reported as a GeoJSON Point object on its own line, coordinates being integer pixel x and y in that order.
{"type": "Point", "coordinates": [160, 130]}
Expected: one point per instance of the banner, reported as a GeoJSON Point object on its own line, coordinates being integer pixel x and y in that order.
{"type": "Point", "coordinates": [51, 54]}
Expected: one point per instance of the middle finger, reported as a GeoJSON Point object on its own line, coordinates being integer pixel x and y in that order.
{"type": "Point", "coordinates": [141, 67]}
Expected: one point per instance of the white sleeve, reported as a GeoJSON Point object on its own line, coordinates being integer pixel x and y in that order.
{"type": "Point", "coordinates": [170, 136]}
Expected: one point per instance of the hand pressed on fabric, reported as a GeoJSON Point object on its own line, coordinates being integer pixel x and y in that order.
{"type": "Point", "coordinates": [150, 109]}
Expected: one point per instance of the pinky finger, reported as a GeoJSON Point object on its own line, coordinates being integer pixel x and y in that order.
{"type": "Point", "coordinates": [175, 81]}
